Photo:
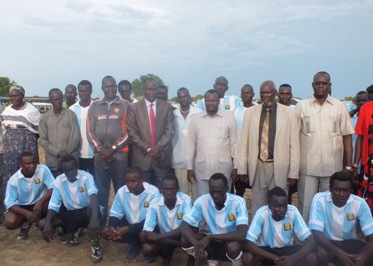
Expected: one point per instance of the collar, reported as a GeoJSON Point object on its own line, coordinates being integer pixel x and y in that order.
{"type": "Point", "coordinates": [148, 103]}
{"type": "Point", "coordinates": [220, 112]}
{"type": "Point", "coordinates": [329, 198]}
{"type": "Point", "coordinates": [178, 201]}
{"type": "Point", "coordinates": [103, 101]}
{"type": "Point", "coordinates": [273, 108]}
{"type": "Point", "coordinates": [329, 99]}
{"type": "Point", "coordinates": [21, 176]}
{"type": "Point", "coordinates": [64, 178]}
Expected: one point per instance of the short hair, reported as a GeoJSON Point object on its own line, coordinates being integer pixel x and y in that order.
{"type": "Point", "coordinates": [182, 89]}
{"type": "Point", "coordinates": [370, 89]}
{"type": "Point", "coordinates": [219, 176]}
{"type": "Point", "coordinates": [150, 80]}
{"type": "Point", "coordinates": [211, 91]}
{"type": "Point", "coordinates": [276, 192]}
{"type": "Point", "coordinates": [69, 158]}
{"type": "Point", "coordinates": [70, 86]}
{"type": "Point", "coordinates": [26, 154]}
{"type": "Point", "coordinates": [341, 176]}
{"type": "Point", "coordinates": [162, 86]}
{"type": "Point", "coordinates": [107, 77]}
{"type": "Point", "coordinates": [135, 170]}
{"type": "Point", "coordinates": [55, 90]}
{"type": "Point", "coordinates": [285, 85]}
{"type": "Point", "coordinates": [247, 86]}
{"type": "Point", "coordinates": [361, 93]}
{"type": "Point", "coordinates": [85, 82]}
{"type": "Point", "coordinates": [170, 177]}
{"type": "Point", "coordinates": [322, 73]}
{"type": "Point", "coordinates": [124, 83]}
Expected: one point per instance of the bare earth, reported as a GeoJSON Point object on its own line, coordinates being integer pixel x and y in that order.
{"type": "Point", "coordinates": [35, 251]}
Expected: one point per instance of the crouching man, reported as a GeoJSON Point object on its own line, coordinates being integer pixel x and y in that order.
{"type": "Point", "coordinates": [161, 233]}
{"type": "Point", "coordinates": [226, 218]}
{"type": "Point", "coordinates": [269, 239]}
{"type": "Point", "coordinates": [73, 206]}
{"type": "Point", "coordinates": [27, 195]}
{"type": "Point", "coordinates": [338, 221]}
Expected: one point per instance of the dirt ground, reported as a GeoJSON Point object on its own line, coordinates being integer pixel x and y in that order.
{"type": "Point", "coordinates": [35, 251]}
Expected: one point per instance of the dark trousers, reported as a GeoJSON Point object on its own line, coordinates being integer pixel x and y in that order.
{"type": "Point", "coordinates": [73, 220]}
{"type": "Point", "coordinates": [104, 172]}
{"type": "Point", "coordinates": [87, 165]}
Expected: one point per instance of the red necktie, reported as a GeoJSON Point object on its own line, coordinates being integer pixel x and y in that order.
{"type": "Point", "coordinates": [152, 124]}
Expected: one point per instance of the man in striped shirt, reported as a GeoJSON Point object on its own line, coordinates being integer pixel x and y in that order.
{"type": "Point", "coordinates": [27, 194]}
{"type": "Point", "coordinates": [227, 102]}
{"type": "Point", "coordinates": [270, 236]}
{"type": "Point", "coordinates": [128, 212]}
{"type": "Point", "coordinates": [73, 205]}
{"type": "Point", "coordinates": [161, 232]}
{"type": "Point", "coordinates": [338, 220]}
{"type": "Point", "coordinates": [226, 218]}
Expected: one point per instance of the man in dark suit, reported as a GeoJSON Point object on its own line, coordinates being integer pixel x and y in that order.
{"type": "Point", "coordinates": [151, 126]}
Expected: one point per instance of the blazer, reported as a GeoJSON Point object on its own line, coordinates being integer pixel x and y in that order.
{"type": "Point", "coordinates": [286, 151]}
{"type": "Point", "coordinates": [138, 128]}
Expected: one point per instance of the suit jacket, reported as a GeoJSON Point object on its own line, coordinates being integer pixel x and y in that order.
{"type": "Point", "coordinates": [286, 151]}
{"type": "Point", "coordinates": [138, 128]}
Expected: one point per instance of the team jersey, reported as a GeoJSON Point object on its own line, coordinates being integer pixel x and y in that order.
{"type": "Point", "coordinates": [266, 232]}
{"type": "Point", "coordinates": [221, 221]}
{"type": "Point", "coordinates": [340, 223]}
{"type": "Point", "coordinates": [166, 219]}
{"type": "Point", "coordinates": [21, 190]}
{"type": "Point", "coordinates": [228, 103]}
{"type": "Point", "coordinates": [86, 150]}
{"type": "Point", "coordinates": [133, 207]}
{"type": "Point", "coordinates": [74, 195]}
{"type": "Point", "coordinates": [238, 115]}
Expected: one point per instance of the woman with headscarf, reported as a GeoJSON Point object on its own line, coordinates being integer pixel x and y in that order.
{"type": "Point", "coordinates": [20, 123]}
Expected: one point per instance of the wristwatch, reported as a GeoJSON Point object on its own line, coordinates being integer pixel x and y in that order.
{"type": "Point", "coordinates": [114, 147]}
{"type": "Point", "coordinates": [349, 168]}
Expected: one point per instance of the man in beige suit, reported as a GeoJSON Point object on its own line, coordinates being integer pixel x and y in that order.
{"type": "Point", "coordinates": [151, 126]}
{"type": "Point", "coordinates": [268, 150]}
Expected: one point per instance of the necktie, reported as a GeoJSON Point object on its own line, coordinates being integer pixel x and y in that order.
{"type": "Point", "coordinates": [264, 153]}
{"type": "Point", "coordinates": [152, 124]}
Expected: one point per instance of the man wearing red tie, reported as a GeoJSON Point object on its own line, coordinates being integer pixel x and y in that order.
{"type": "Point", "coordinates": [150, 125]}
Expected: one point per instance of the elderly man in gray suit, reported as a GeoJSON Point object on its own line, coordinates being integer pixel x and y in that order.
{"type": "Point", "coordinates": [268, 149]}
{"type": "Point", "coordinates": [151, 126]}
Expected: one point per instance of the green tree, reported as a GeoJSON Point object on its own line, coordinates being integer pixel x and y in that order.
{"type": "Point", "coordinates": [138, 83]}
{"type": "Point", "coordinates": [5, 85]}
{"type": "Point", "coordinates": [197, 98]}
{"type": "Point", "coordinates": [348, 98]}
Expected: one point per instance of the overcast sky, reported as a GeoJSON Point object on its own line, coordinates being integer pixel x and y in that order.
{"type": "Point", "coordinates": [48, 44]}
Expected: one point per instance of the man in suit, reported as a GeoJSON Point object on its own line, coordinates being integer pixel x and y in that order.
{"type": "Point", "coordinates": [151, 126]}
{"type": "Point", "coordinates": [268, 150]}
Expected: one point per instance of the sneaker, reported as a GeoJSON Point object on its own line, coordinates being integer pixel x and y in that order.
{"type": "Point", "coordinates": [133, 252]}
{"type": "Point", "coordinates": [58, 232]}
{"type": "Point", "coordinates": [74, 238]}
{"type": "Point", "coordinates": [23, 233]}
{"type": "Point", "coordinates": [149, 259]}
{"type": "Point", "coordinates": [96, 254]}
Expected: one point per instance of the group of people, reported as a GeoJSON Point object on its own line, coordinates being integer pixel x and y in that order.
{"type": "Point", "coordinates": [159, 158]}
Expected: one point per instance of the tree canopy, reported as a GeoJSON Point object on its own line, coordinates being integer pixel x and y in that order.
{"type": "Point", "coordinates": [5, 85]}
{"type": "Point", "coordinates": [138, 83]}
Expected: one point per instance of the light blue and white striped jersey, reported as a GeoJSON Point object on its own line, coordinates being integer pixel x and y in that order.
{"type": "Point", "coordinates": [340, 223]}
{"type": "Point", "coordinates": [74, 195]}
{"type": "Point", "coordinates": [21, 190]}
{"type": "Point", "coordinates": [228, 103]}
{"type": "Point", "coordinates": [266, 232]}
{"type": "Point", "coordinates": [86, 150]}
{"type": "Point", "coordinates": [238, 115]}
{"type": "Point", "coordinates": [133, 207]}
{"type": "Point", "coordinates": [167, 220]}
{"type": "Point", "coordinates": [221, 221]}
